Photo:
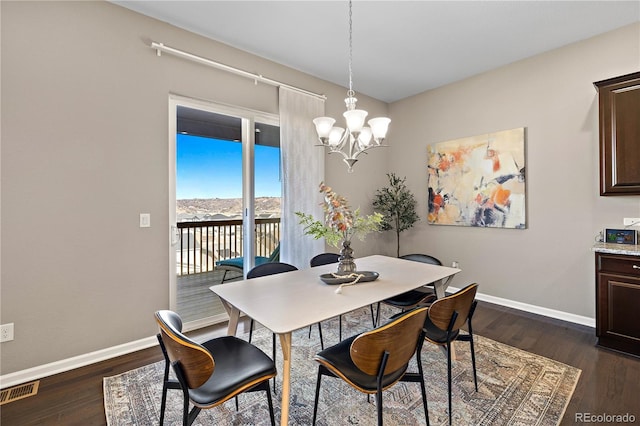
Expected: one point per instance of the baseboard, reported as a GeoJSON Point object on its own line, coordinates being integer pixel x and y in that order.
{"type": "Point", "coordinates": [80, 361]}
{"type": "Point", "coordinates": [61, 366]}
{"type": "Point", "coordinates": [205, 322]}
{"type": "Point", "coordinates": [539, 310]}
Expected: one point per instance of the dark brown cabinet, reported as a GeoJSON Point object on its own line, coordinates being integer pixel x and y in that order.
{"type": "Point", "coordinates": [619, 106]}
{"type": "Point", "coordinates": [618, 302]}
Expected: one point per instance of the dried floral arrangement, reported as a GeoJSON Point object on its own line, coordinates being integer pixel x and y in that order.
{"type": "Point", "coordinates": [340, 222]}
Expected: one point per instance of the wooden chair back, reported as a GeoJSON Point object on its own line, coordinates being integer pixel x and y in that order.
{"type": "Point", "coordinates": [441, 311]}
{"type": "Point", "coordinates": [195, 360]}
{"type": "Point", "coordinates": [399, 337]}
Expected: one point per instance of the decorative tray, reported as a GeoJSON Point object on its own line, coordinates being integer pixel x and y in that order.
{"type": "Point", "coordinates": [333, 279]}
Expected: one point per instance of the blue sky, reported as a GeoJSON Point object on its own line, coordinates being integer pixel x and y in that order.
{"type": "Point", "coordinates": [212, 168]}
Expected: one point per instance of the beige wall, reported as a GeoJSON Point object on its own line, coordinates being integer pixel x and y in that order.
{"type": "Point", "coordinates": [550, 263]}
{"type": "Point", "coordinates": [85, 151]}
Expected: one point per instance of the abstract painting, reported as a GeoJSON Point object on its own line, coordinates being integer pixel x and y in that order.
{"type": "Point", "coordinates": [479, 181]}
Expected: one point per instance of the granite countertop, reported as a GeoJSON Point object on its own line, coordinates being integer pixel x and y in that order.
{"type": "Point", "coordinates": [628, 249]}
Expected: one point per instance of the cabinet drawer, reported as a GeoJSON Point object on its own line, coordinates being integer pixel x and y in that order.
{"type": "Point", "coordinates": [627, 265]}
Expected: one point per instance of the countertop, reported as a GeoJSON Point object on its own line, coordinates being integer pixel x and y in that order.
{"type": "Point", "coordinates": [628, 249]}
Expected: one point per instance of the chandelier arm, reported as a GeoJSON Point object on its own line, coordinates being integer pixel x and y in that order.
{"type": "Point", "coordinates": [365, 150]}
{"type": "Point", "coordinates": [353, 145]}
{"type": "Point", "coordinates": [360, 151]}
{"type": "Point", "coordinates": [338, 147]}
{"type": "Point", "coordinates": [344, 140]}
{"type": "Point", "coordinates": [339, 151]}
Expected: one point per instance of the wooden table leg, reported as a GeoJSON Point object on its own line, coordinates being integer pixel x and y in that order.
{"type": "Point", "coordinates": [285, 342]}
{"type": "Point", "coordinates": [234, 317]}
{"type": "Point", "coordinates": [440, 287]}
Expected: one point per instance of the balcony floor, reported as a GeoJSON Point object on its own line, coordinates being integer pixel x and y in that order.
{"type": "Point", "coordinates": [196, 301]}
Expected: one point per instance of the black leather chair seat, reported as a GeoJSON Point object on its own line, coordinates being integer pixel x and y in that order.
{"type": "Point", "coordinates": [436, 335]}
{"type": "Point", "coordinates": [233, 357]}
{"type": "Point", "coordinates": [338, 357]}
{"type": "Point", "coordinates": [410, 298]}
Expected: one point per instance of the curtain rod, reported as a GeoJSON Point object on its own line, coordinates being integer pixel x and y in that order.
{"type": "Point", "coordinates": [160, 47]}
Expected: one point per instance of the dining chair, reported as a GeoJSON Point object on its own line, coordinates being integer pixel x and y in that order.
{"type": "Point", "coordinates": [376, 360]}
{"type": "Point", "coordinates": [446, 318]}
{"type": "Point", "coordinates": [236, 264]}
{"type": "Point", "coordinates": [210, 373]}
{"type": "Point", "coordinates": [167, 382]}
{"type": "Point", "coordinates": [326, 259]}
{"type": "Point", "coordinates": [413, 298]}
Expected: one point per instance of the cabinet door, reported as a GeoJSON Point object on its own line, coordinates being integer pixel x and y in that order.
{"type": "Point", "coordinates": [618, 322]}
{"type": "Point", "coordinates": [619, 106]}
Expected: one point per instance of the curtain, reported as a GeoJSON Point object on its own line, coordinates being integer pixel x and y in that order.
{"type": "Point", "coordinates": [302, 172]}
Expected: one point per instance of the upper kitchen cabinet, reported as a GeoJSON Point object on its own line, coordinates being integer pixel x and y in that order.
{"type": "Point", "coordinates": [619, 101]}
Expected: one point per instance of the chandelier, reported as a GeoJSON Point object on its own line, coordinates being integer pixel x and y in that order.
{"type": "Point", "coordinates": [357, 138]}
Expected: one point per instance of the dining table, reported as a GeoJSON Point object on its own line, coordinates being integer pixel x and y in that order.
{"type": "Point", "coordinates": [293, 300]}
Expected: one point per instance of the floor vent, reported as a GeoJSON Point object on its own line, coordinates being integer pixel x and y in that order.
{"type": "Point", "coordinates": [18, 392]}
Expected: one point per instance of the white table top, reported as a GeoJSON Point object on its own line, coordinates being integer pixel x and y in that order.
{"type": "Point", "coordinates": [292, 300]}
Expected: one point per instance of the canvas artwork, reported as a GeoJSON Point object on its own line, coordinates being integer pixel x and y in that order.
{"type": "Point", "coordinates": [479, 181]}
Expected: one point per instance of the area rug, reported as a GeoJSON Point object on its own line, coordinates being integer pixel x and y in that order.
{"type": "Point", "coordinates": [514, 388]}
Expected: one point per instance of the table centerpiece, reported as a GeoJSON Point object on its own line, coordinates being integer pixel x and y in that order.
{"type": "Point", "coordinates": [340, 225]}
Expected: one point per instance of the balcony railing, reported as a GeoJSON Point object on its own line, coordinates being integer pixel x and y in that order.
{"type": "Point", "coordinates": [201, 244]}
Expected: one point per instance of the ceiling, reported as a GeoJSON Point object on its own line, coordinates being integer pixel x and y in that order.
{"type": "Point", "coordinates": [400, 48]}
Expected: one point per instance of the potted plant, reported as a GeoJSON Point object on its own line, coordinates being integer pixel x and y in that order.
{"type": "Point", "coordinates": [340, 225]}
{"type": "Point", "coordinates": [398, 205]}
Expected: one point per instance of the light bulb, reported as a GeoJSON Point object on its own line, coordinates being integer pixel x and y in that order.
{"type": "Point", "coordinates": [364, 139]}
{"type": "Point", "coordinates": [355, 119]}
{"type": "Point", "coordinates": [335, 136]}
{"type": "Point", "coordinates": [379, 127]}
{"type": "Point", "coordinates": [323, 126]}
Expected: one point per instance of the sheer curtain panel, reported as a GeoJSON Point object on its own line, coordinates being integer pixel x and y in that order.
{"type": "Point", "coordinates": [302, 172]}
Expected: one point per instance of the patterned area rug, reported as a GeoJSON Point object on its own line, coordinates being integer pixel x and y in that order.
{"type": "Point", "coordinates": [514, 388]}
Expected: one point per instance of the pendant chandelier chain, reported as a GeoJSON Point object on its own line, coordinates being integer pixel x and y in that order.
{"type": "Point", "coordinates": [351, 93]}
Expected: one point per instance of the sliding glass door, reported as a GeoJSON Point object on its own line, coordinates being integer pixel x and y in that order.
{"type": "Point", "coordinates": [225, 192]}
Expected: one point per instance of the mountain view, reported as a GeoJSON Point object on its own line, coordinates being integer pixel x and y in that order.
{"type": "Point", "coordinates": [198, 208]}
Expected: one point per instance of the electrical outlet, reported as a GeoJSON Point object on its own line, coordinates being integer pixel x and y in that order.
{"type": "Point", "coordinates": [6, 332]}
{"type": "Point", "coordinates": [631, 221]}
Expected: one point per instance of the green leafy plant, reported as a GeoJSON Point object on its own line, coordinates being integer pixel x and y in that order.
{"type": "Point", "coordinates": [398, 205]}
{"type": "Point", "coordinates": [340, 222]}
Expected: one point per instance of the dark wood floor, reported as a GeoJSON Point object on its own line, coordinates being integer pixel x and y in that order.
{"type": "Point", "coordinates": [609, 383]}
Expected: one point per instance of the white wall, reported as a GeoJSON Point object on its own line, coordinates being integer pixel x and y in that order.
{"type": "Point", "coordinates": [549, 264]}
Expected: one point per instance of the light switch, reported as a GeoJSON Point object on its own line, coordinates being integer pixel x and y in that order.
{"type": "Point", "coordinates": [145, 220]}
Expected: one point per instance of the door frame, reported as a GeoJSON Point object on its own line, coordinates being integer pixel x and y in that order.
{"type": "Point", "coordinates": [249, 118]}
